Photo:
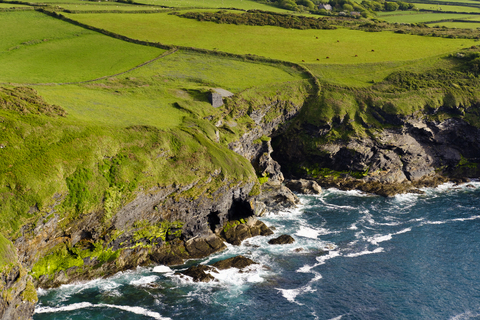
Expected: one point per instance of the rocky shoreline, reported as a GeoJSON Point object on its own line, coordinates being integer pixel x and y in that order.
{"type": "Point", "coordinates": [164, 225]}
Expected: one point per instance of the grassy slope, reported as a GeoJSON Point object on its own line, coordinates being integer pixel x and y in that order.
{"type": "Point", "coordinates": [148, 95]}
{"type": "Point", "coordinates": [272, 41]}
{"type": "Point", "coordinates": [36, 48]}
{"type": "Point", "coordinates": [363, 75]}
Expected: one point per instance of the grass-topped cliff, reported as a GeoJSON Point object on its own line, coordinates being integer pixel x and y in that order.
{"type": "Point", "coordinates": [110, 147]}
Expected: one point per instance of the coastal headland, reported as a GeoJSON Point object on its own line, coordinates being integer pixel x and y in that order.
{"type": "Point", "coordinates": [135, 134]}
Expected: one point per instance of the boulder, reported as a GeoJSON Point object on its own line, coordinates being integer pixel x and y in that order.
{"type": "Point", "coordinates": [238, 262]}
{"type": "Point", "coordinates": [283, 239]}
{"type": "Point", "coordinates": [199, 273]}
{"type": "Point", "coordinates": [202, 247]}
{"type": "Point", "coordinates": [273, 198]}
{"type": "Point", "coordinates": [236, 232]}
{"type": "Point", "coordinates": [304, 186]}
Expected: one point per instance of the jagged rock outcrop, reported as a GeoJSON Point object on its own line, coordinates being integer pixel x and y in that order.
{"type": "Point", "coordinates": [303, 186]}
{"type": "Point", "coordinates": [283, 239]}
{"type": "Point", "coordinates": [236, 232]}
{"type": "Point", "coordinates": [18, 295]}
{"type": "Point", "coordinates": [136, 232]}
{"type": "Point", "coordinates": [274, 197]}
{"type": "Point", "coordinates": [199, 273]}
{"type": "Point", "coordinates": [238, 262]}
{"type": "Point", "coordinates": [394, 160]}
{"type": "Point", "coordinates": [202, 273]}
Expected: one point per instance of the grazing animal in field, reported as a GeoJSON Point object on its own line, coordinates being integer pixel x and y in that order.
{"type": "Point", "coordinates": [356, 55]}
{"type": "Point", "coordinates": [319, 59]}
{"type": "Point", "coordinates": [316, 37]}
{"type": "Point", "coordinates": [373, 50]}
{"type": "Point", "coordinates": [338, 40]}
{"type": "Point", "coordinates": [303, 60]}
{"type": "Point", "coordinates": [328, 57]}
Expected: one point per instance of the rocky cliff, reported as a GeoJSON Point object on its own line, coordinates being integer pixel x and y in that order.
{"type": "Point", "coordinates": [163, 197]}
{"type": "Point", "coordinates": [166, 223]}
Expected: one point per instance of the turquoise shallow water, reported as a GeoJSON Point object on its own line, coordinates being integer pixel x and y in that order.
{"type": "Point", "coordinates": [356, 256]}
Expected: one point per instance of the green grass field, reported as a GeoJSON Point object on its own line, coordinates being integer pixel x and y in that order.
{"type": "Point", "coordinates": [444, 7]}
{"type": "Point", "coordinates": [363, 75]}
{"type": "Point", "coordinates": [36, 48]}
{"type": "Point", "coordinates": [147, 96]}
{"type": "Point", "coordinates": [11, 5]}
{"type": "Point", "coordinates": [463, 25]}
{"type": "Point", "coordinates": [273, 42]}
{"type": "Point", "coordinates": [423, 17]}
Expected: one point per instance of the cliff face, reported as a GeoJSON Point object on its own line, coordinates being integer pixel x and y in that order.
{"type": "Point", "coordinates": [137, 235]}
{"type": "Point", "coordinates": [18, 296]}
{"type": "Point", "coordinates": [415, 153]}
{"type": "Point", "coordinates": [164, 224]}
{"type": "Point", "coordinates": [17, 293]}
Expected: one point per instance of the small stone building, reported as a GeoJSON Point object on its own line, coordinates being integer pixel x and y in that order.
{"type": "Point", "coordinates": [217, 95]}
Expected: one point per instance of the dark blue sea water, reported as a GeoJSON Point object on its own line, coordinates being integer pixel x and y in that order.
{"type": "Point", "coordinates": [356, 256]}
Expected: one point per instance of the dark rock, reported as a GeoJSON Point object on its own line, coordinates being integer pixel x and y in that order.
{"type": "Point", "coordinates": [202, 247]}
{"type": "Point", "coordinates": [199, 273]}
{"type": "Point", "coordinates": [304, 186]}
{"type": "Point", "coordinates": [235, 234]}
{"type": "Point", "coordinates": [273, 198]}
{"type": "Point", "coordinates": [238, 262]}
{"type": "Point", "coordinates": [283, 239]}
{"type": "Point", "coordinates": [17, 295]}
{"type": "Point", "coordinates": [413, 154]}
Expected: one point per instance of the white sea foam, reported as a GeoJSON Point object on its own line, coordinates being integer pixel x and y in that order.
{"type": "Point", "coordinates": [236, 277]}
{"type": "Point", "coordinates": [83, 305]}
{"type": "Point", "coordinates": [467, 219]}
{"type": "Point", "coordinates": [376, 239]}
{"type": "Point", "coordinates": [336, 206]}
{"type": "Point", "coordinates": [41, 292]}
{"type": "Point", "coordinates": [465, 316]}
{"type": "Point", "coordinates": [162, 269]}
{"type": "Point", "coordinates": [353, 227]}
{"type": "Point", "coordinates": [290, 294]}
{"type": "Point", "coordinates": [308, 232]}
{"type": "Point", "coordinates": [361, 253]}
{"type": "Point", "coordinates": [404, 231]}
{"type": "Point", "coordinates": [144, 280]}
{"type": "Point", "coordinates": [331, 254]}
{"type": "Point", "coordinates": [353, 193]}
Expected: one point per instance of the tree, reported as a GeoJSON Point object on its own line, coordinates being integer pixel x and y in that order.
{"type": "Point", "coordinates": [289, 5]}
{"type": "Point", "coordinates": [307, 3]}
{"type": "Point", "coordinates": [391, 6]}
{"type": "Point", "coordinates": [348, 7]}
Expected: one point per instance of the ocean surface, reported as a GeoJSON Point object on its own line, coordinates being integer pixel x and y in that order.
{"type": "Point", "coordinates": [356, 256]}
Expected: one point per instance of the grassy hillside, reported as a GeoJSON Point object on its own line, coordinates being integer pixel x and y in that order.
{"type": "Point", "coordinates": [150, 95]}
